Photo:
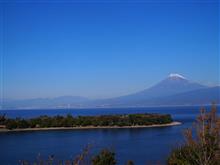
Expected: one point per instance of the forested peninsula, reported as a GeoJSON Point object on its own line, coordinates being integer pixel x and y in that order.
{"type": "Point", "coordinates": [86, 122]}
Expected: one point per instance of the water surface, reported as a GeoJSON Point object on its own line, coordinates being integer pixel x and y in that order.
{"type": "Point", "coordinates": [142, 145]}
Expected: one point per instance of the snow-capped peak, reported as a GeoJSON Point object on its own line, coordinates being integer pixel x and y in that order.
{"type": "Point", "coordinates": [176, 75]}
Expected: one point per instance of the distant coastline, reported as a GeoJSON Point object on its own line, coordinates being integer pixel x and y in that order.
{"type": "Point", "coordinates": [113, 107]}
{"type": "Point", "coordinates": [89, 127]}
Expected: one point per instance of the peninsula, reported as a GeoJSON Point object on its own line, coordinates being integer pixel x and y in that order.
{"type": "Point", "coordinates": [86, 122]}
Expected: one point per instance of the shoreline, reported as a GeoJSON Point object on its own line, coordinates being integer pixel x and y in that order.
{"type": "Point", "coordinates": [89, 127]}
{"type": "Point", "coordinates": [100, 107]}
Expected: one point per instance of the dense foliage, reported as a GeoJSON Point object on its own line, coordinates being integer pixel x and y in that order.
{"type": "Point", "coordinates": [81, 121]}
{"type": "Point", "coordinates": [105, 157]}
{"type": "Point", "coordinates": [202, 146]}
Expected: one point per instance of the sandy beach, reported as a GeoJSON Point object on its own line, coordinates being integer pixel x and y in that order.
{"type": "Point", "coordinates": [89, 127]}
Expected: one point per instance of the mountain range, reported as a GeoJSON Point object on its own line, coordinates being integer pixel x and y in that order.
{"type": "Point", "coordinates": [173, 90]}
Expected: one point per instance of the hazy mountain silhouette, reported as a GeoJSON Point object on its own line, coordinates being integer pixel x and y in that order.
{"type": "Point", "coordinates": [173, 90]}
{"type": "Point", "coordinates": [201, 96]}
{"type": "Point", "coordinates": [172, 85]}
{"type": "Point", "coordinates": [57, 102]}
{"type": "Point", "coordinates": [196, 97]}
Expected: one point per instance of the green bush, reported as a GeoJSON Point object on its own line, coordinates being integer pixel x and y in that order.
{"type": "Point", "coordinates": [105, 157]}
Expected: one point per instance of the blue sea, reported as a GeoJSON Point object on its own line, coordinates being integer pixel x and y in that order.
{"type": "Point", "coordinates": [142, 145]}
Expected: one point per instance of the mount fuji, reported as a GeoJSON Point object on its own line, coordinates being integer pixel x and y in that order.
{"type": "Point", "coordinates": [172, 85]}
{"type": "Point", "coordinates": [173, 90]}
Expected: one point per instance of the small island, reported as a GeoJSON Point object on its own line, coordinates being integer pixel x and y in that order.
{"type": "Point", "coordinates": [86, 122]}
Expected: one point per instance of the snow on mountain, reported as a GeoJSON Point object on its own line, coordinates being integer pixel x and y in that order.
{"type": "Point", "coordinates": [176, 75]}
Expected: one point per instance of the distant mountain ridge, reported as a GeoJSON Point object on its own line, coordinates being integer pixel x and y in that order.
{"type": "Point", "coordinates": [57, 102]}
{"type": "Point", "coordinates": [203, 96]}
{"type": "Point", "coordinates": [173, 90]}
{"type": "Point", "coordinates": [173, 84]}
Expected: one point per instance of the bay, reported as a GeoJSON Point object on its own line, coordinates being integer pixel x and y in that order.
{"type": "Point", "coordinates": [142, 145]}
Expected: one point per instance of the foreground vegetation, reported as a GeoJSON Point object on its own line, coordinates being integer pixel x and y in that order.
{"type": "Point", "coordinates": [104, 157]}
{"type": "Point", "coordinates": [83, 121]}
{"type": "Point", "coordinates": [202, 142]}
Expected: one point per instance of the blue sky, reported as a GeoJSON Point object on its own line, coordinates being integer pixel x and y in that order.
{"type": "Point", "coordinates": [105, 49]}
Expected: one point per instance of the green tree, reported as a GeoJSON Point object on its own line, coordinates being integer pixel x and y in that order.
{"type": "Point", "coordinates": [2, 119]}
{"type": "Point", "coordinates": [105, 157]}
{"type": "Point", "coordinates": [11, 124]}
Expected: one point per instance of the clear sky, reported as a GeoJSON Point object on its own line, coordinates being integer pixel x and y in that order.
{"type": "Point", "coordinates": [105, 49]}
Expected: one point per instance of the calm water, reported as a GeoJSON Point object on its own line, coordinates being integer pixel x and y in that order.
{"type": "Point", "coordinates": [142, 145]}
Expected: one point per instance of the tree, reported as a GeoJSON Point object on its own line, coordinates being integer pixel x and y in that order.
{"type": "Point", "coordinates": [129, 162]}
{"type": "Point", "coordinates": [11, 124]}
{"type": "Point", "coordinates": [105, 157]}
{"type": "Point", "coordinates": [201, 147]}
{"type": "Point", "coordinates": [2, 119]}
{"type": "Point", "coordinates": [83, 158]}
